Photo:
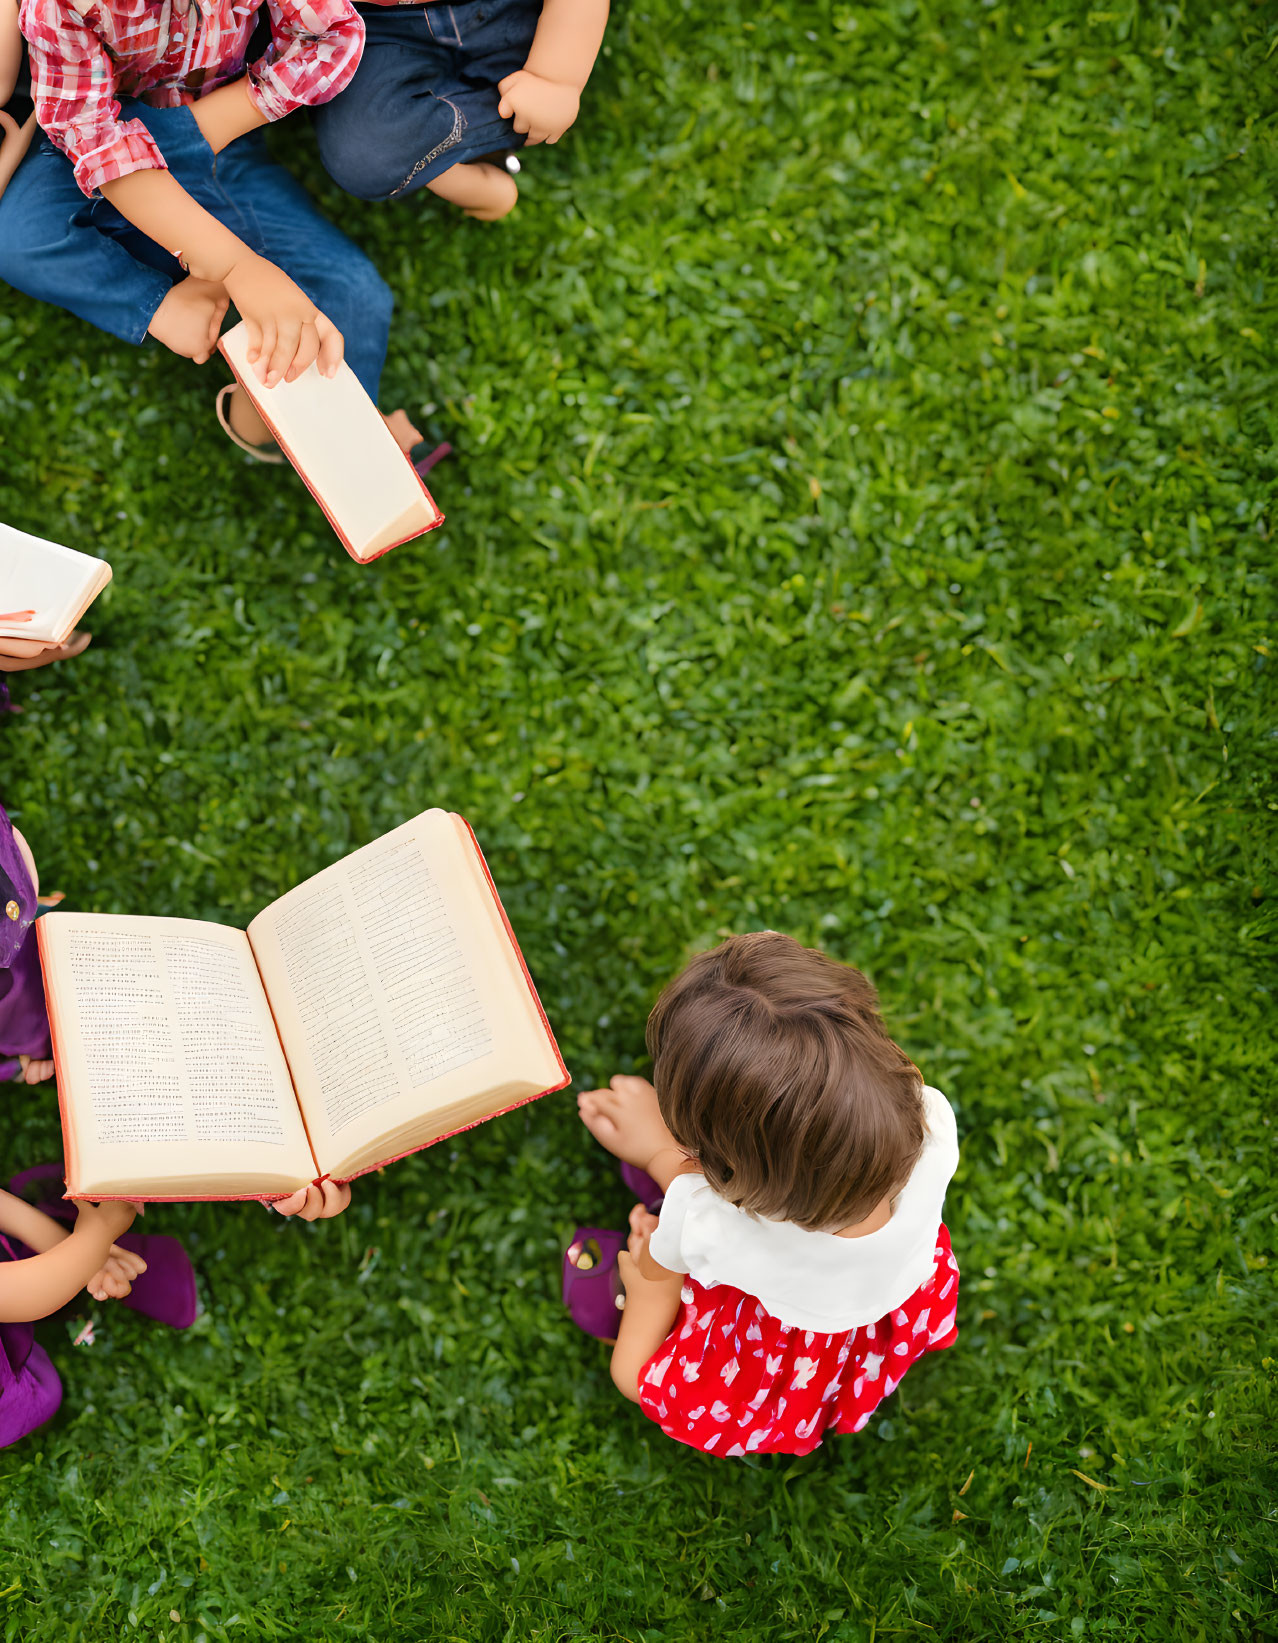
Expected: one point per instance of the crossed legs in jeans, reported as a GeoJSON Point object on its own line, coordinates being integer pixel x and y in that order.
{"type": "Point", "coordinates": [82, 255]}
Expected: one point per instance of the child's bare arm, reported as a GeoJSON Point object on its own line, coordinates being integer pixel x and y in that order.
{"type": "Point", "coordinates": [316, 46]}
{"type": "Point", "coordinates": [34, 1288]}
{"type": "Point", "coordinates": [652, 1304]}
{"type": "Point", "coordinates": [544, 96]}
{"type": "Point", "coordinates": [227, 113]}
{"type": "Point", "coordinates": [286, 330]}
{"type": "Point", "coordinates": [10, 49]}
{"type": "Point", "coordinates": [29, 1225]}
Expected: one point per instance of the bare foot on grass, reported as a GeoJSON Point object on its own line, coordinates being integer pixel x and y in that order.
{"type": "Point", "coordinates": [242, 414]}
{"type": "Point", "coordinates": [406, 435]}
{"type": "Point", "coordinates": [483, 191]}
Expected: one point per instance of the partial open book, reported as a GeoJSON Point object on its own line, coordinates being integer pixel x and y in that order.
{"type": "Point", "coordinates": [335, 437]}
{"type": "Point", "coordinates": [377, 1008]}
{"type": "Point", "coordinates": [57, 584]}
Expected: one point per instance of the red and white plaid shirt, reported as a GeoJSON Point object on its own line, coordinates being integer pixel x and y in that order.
{"type": "Point", "coordinates": [85, 57]}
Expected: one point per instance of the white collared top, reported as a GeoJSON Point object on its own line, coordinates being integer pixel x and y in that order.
{"type": "Point", "coordinates": [815, 1280]}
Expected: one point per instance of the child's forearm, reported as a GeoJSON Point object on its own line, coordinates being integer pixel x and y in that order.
{"type": "Point", "coordinates": [649, 1315]}
{"type": "Point", "coordinates": [157, 204]}
{"type": "Point", "coordinates": [225, 114]}
{"type": "Point", "coordinates": [29, 1225]}
{"type": "Point", "coordinates": [10, 49]}
{"type": "Point", "coordinates": [670, 1161]}
{"type": "Point", "coordinates": [567, 40]}
{"type": "Point", "coordinates": [36, 1287]}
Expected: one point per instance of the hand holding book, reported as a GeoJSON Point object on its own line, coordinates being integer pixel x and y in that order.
{"type": "Point", "coordinates": [338, 441]}
{"type": "Point", "coordinates": [44, 591]}
{"type": "Point", "coordinates": [319, 1201]}
{"type": "Point", "coordinates": [20, 655]}
{"type": "Point", "coordinates": [286, 333]}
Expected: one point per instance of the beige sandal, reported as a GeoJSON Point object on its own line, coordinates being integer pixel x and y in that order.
{"type": "Point", "coordinates": [259, 453]}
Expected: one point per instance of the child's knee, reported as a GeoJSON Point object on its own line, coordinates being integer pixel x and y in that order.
{"type": "Point", "coordinates": [363, 176]}
{"type": "Point", "coordinates": [362, 168]}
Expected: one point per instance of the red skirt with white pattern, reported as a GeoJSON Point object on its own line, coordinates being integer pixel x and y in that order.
{"type": "Point", "coordinates": [730, 1379]}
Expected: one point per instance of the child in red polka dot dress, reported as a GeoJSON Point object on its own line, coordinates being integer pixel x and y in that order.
{"type": "Point", "coordinates": [797, 1264]}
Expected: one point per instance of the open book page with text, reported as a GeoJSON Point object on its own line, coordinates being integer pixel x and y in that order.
{"type": "Point", "coordinates": [57, 583]}
{"type": "Point", "coordinates": [400, 997]}
{"type": "Point", "coordinates": [170, 1073]}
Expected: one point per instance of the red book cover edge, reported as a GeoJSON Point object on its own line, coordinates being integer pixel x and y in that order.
{"type": "Point", "coordinates": [338, 531]}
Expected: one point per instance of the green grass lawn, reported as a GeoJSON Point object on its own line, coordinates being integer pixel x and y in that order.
{"type": "Point", "coordinates": [861, 526]}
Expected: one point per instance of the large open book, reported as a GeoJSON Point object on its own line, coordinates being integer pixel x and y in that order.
{"type": "Point", "coordinates": [334, 436]}
{"type": "Point", "coordinates": [379, 1007]}
{"type": "Point", "coordinates": [57, 583]}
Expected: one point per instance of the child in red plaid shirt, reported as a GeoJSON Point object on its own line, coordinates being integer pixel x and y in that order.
{"type": "Point", "coordinates": [148, 204]}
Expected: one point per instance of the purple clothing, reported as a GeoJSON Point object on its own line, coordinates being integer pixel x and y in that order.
{"type": "Point", "coordinates": [24, 1020]}
{"type": "Point", "coordinates": [30, 1391]}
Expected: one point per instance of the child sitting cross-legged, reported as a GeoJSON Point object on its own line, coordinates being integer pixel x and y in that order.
{"type": "Point", "coordinates": [442, 90]}
{"type": "Point", "coordinates": [148, 203]}
{"type": "Point", "coordinates": [789, 1262]}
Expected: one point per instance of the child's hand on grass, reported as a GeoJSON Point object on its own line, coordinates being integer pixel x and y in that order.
{"type": "Point", "coordinates": [319, 1201]}
{"type": "Point", "coordinates": [34, 1072]}
{"type": "Point", "coordinates": [287, 332]}
{"type": "Point", "coordinates": [541, 109]}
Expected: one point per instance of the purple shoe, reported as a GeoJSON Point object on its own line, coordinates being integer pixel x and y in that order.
{"type": "Point", "coordinates": [644, 1187]}
{"type": "Point", "coordinates": [166, 1290]}
{"type": "Point", "coordinates": [592, 1285]}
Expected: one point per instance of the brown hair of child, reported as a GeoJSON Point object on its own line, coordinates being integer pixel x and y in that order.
{"type": "Point", "coordinates": [775, 1072]}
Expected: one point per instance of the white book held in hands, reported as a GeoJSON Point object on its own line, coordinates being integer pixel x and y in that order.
{"type": "Point", "coordinates": [56, 584]}
{"type": "Point", "coordinates": [335, 437]}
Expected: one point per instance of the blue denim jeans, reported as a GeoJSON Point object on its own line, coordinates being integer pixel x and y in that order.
{"type": "Point", "coordinates": [424, 96]}
{"type": "Point", "coordinates": [82, 255]}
